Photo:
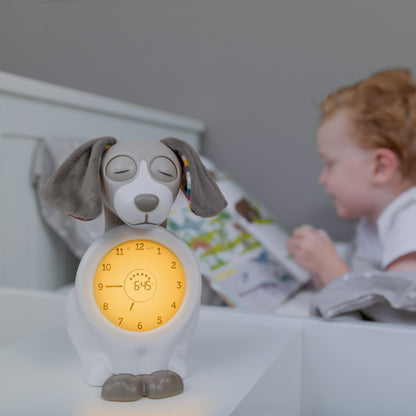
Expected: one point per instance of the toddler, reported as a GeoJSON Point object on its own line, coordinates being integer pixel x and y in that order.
{"type": "Point", "coordinates": [367, 141]}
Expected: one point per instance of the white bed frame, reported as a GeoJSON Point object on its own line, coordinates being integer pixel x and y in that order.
{"type": "Point", "coordinates": [31, 255]}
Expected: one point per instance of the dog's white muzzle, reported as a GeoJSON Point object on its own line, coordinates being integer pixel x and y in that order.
{"type": "Point", "coordinates": [143, 201]}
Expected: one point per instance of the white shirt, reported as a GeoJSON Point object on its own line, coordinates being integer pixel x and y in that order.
{"type": "Point", "coordinates": [375, 248]}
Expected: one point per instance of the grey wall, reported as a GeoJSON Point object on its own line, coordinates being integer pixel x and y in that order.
{"type": "Point", "coordinates": [253, 70]}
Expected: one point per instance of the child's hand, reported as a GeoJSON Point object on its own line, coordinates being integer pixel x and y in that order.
{"type": "Point", "coordinates": [314, 251]}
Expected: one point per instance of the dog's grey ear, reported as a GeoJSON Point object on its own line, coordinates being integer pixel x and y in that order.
{"type": "Point", "coordinates": [206, 199]}
{"type": "Point", "coordinates": [75, 186]}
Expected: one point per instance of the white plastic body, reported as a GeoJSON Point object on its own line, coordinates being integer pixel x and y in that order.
{"type": "Point", "coordinates": [106, 349]}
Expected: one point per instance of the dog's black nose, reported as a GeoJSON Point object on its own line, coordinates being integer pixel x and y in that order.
{"type": "Point", "coordinates": [146, 202]}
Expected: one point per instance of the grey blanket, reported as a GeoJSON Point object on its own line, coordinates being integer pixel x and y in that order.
{"type": "Point", "coordinates": [375, 295]}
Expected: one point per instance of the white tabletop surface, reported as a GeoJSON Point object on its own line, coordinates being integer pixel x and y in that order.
{"type": "Point", "coordinates": [240, 364]}
{"type": "Point", "coordinates": [230, 352]}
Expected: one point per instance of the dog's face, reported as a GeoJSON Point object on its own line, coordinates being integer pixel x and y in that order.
{"type": "Point", "coordinates": [139, 181]}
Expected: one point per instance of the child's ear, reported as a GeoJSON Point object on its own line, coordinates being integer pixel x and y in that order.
{"type": "Point", "coordinates": [386, 165]}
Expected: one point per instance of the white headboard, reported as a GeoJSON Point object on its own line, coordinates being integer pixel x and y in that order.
{"type": "Point", "coordinates": [31, 255]}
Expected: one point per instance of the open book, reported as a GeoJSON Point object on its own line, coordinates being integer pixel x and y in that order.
{"type": "Point", "coordinates": [241, 252]}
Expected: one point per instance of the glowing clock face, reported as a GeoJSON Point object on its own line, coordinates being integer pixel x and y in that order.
{"type": "Point", "coordinates": [139, 285]}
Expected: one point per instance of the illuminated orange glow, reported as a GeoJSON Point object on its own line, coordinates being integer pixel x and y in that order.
{"type": "Point", "coordinates": [139, 285]}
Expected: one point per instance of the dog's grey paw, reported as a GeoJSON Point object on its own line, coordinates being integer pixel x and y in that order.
{"type": "Point", "coordinates": [162, 384]}
{"type": "Point", "coordinates": [123, 388]}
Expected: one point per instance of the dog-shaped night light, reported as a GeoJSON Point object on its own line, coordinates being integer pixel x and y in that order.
{"type": "Point", "coordinates": [137, 292]}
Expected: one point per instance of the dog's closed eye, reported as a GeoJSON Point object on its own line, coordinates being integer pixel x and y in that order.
{"type": "Point", "coordinates": [121, 168]}
{"type": "Point", "coordinates": [166, 174]}
{"type": "Point", "coordinates": [163, 169]}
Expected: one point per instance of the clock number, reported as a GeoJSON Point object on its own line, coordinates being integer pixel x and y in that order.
{"type": "Point", "coordinates": [173, 305]}
{"type": "Point", "coordinates": [159, 251]}
{"type": "Point", "coordinates": [119, 251]}
{"type": "Point", "coordinates": [159, 320]}
{"type": "Point", "coordinates": [173, 265]}
{"type": "Point", "coordinates": [106, 267]}
{"type": "Point", "coordinates": [120, 320]}
{"type": "Point", "coordinates": [100, 286]}
{"type": "Point", "coordinates": [105, 306]}
{"type": "Point", "coordinates": [178, 284]}
{"type": "Point", "coordinates": [139, 246]}
{"type": "Point", "coordinates": [140, 325]}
